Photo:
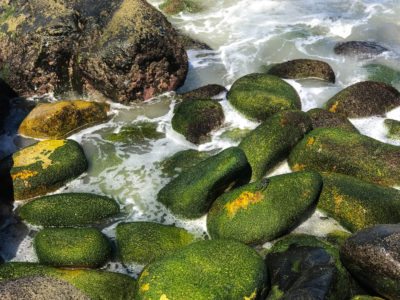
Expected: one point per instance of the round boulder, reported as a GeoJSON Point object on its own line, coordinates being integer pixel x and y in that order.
{"type": "Point", "coordinates": [322, 118]}
{"type": "Point", "coordinates": [360, 49]}
{"type": "Point", "coordinates": [205, 92]}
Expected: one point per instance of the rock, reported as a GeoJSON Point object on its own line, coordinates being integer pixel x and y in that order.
{"type": "Point", "coordinates": [68, 210]}
{"type": "Point", "coordinates": [125, 50]}
{"type": "Point", "coordinates": [191, 194]}
{"type": "Point", "coordinates": [139, 132]}
{"type": "Point", "coordinates": [373, 257]}
{"type": "Point", "coordinates": [182, 161]}
{"type": "Point", "coordinates": [72, 247]}
{"type": "Point", "coordinates": [322, 118]}
{"type": "Point", "coordinates": [6, 93]}
{"type": "Point", "coordinates": [63, 118]}
{"type": "Point", "coordinates": [236, 134]}
{"type": "Point", "coordinates": [366, 297]}
{"type": "Point", "coordinates": [303, 69]}
{"type": "Point", "coordinates": [205, 92]}
{"type": "Point", "coordinates": [272, 141]}
{"type": "Point", "coordinates": [195, 119]}
{"type": "Point", "coordinates": [144, 242]}
{"type": "Point", "coordinates": [393, 129]}
{"type": "Point", "coordinates": [337, 237]}
{"type": "Point", "coordinates": [357, 204]}
{"type": "Point", "coordinates": [46, 166]}
{"type": "Point", "coordinates": [173, 7]}
{"type": "Point", "coordinates": [190, 43]}
{"type": "Point", "coordinates": [382, 73]}
{"type": "Point", "coordinates": [264, 210]}
{"type": "Point", "coordinates": [259, 96]}
{"type": "Point", "coordinates": [94, 283]}
{"type": "Point", "coordinates": [364, 99]}
{"type": "Point", "coordinates": [341, 151]}
{"type": "Point", "coordinates": [216, 269]}
{"type": "Point", "coordinates": [360, 49]}
{"type": "Point", "coordinates": [39, 288]}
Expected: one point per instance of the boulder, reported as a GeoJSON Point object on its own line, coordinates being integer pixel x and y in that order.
{"type": "Point", "coordinates": [208, 91]}
{"type": "Point", "coordinates": [137, 133]}
{"type": "Point", "coordinates": [393, 129]}
{"type": "Point", "coordinates": [190, 43]}
{"type": "Point", "coordinates": [372, 256]}
{"type": "Point", "coordinates": [382, 73]}
{"type": "Point", "coordinates": [144, 242]}
{"type": "Point", "coordinates": [6, 94]}
{"type": "Point", "coordinates": [46, 166]}
{"type": "Point", "coordinates": [353, 154]}
{"type": "Point", "coordinates": [322, 118]}
{"type": "Point", "coordinates": [173, 7]}
{"type": "Point", "coordinates": [359, 49]}
{"type": "Point", "coordinates": [191, 194]}
{"type": "Point", "coordinates": [259, 96]}
{"type": "Point", "coordinates": [68, 210]}
{"type": "Point", "coordinates": [264, 210]}
{"type": "Point", "coordinates": [95, 284]}
{"type": "Point", "coordinates": [303, 69]}
{"type": "Point", "coordinates": [125, 49]}
{"type": "Point", "coordinates": [364, 99]}
{"type": "Point", "coordinates": [195, 119]}
{"type": "Point", "coordinates": [357, 204]}
{"type": "Point", "coordinates": [216, 269]}
{"type": "Point", "coordinates": [63, 118]}
{"type": "Point", "coordinates": [272, 141]}
{"type": "Point", "coordinates": [72, 247]}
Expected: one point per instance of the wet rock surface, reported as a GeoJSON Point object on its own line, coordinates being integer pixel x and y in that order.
{"type": "Point", "coordinates": [322, 118]}
{"type": "Point", "coordinates": [360, 49]}
{"type": "Point", "coordinates": [205, 92]}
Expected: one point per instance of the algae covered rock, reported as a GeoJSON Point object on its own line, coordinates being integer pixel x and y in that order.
{"type": "Point", "coordinates": [208, 91]}
{"type": "Point", "coordinates": [272, 141]}
{"type": "Point", "coordinates": [373, 257]}
{"type": "Point", "coordinates": [95, 284]}
{"type": "Point", "coordinates": [340, 151]}
{"type": "Point", "coordinates": [46, 166]}
{"type": "Point", "coordinates": [144, 242]}
{"type": "Point", "coordinates": [173, 7]}
{"type": "Point", "coordinates": [60, 119]}
{"type": "Point", "coordinates": [364, 99]}
{"type": "Point", "coordinates": [264, 210]}
{"type": "Point", "coordinates": [357, 204]}
{"type": "Point", "coordinates": [360, 49]}
{"type": "Point", "coordinates": [69, 209]}
{"type": "Point", "coordinates": [72, 247]}
{"type": "Point", "coordinates": [322, 118]}
{"type": "Point", "coordinates": [259, 96]}
{"type": "Point", "coordinates": [393, 127]}
{"type": "Point", "coordinates": [303, 69]}
{"type": "Point", "coordinates": [139, 132]}
{"type": "Point", "coordinates": [191, 194]}
{"type": "Point", "coordinates": [216, 269]}
{"type": "Point", "coordinates": [382, 73]}
{"type": "Point", "coordinates": [195, 119]}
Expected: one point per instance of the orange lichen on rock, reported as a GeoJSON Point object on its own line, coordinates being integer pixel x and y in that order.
{"type": "Point", "coordinates": [23, 175]}
{"type": "Point", "coordinates": [242, 202]}
{"type": "Point", "coordinates": [310, 141]}
{"type": "Point", "coordinates": [298, 167]}
{"type": "Point", "coordinates": [252, 296]}
{"type": "Point", "coordinates": [145, 287]}
{"type": "Point", "coordinates": [334, 107]}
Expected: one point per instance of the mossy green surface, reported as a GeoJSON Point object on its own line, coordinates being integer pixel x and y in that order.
{"type": "Point", "coordinates": [72, 247]}
{"type": "Point", "coordinates": [216, 269]}
{"type": "Point", "coordinates": [322, 118]}
{"type": "Point", "coordinates": [357, 204]}
{"type": "Point", "coordinates": [46, 166]}
{"type": "Point", "coordinates": [98, 285]}
{"type": "Point", "coordinates": [259, 96]}
{"type": "Point", "coordinates": [191, 194]}
{"type": "Point", "coordinates": [382, 73]}
{"type": "Point", "coordinates": [272, 141]}
{"type": "Point", "coordinates": [144, 242]}
{"type": "Point", "coordinates": [135, 133]}
{"type": "Point", "coordinates": [195, 119]}
{"type": "Point", "coordinates": [69, 209]}
{"type": "Point", "coordinates": [264, 210]}
{"type": "Point", "coordinates": [337, 237]}
{"type": "Point", "coordinates": [173, 7]}
{"type": "Point", "coordinates": [340, 151]}
{"type": "Point", "coordinates": [393, 129]}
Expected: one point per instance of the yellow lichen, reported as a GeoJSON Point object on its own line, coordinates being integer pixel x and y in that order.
{"type": "Point", "coordinates": [145, 287]}
{"type": "Point", "coordinates": [145, 273]}
{"type": "Point", "coordinates": [164, 297]}
{"type": "Point", "coordinates": [243, 201]}
{"type": "Point", "coordinates": [24, 174]}
{"type": "Point", "coordinates": [334, 107]}
{"type": "Point", "coordinates": [310, 141]}
{"type": "Point", "coordinates": [39, 152]}
{"type": "Point", "coordinates": [252, 296]}
{"type": "Point", "coordinates": [13, 23]}
{"type": "Point", "coordinates": [298, 167]}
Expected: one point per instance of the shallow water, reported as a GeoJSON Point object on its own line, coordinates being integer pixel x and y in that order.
{"type": "Point", "coordinates": [246, 36]}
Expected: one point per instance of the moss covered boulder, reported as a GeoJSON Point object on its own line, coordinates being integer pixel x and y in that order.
{"type": "Point", "coordinates": [340, 151]}
{"type": "Point", "coordinates": [382, 73]}
{"type": "Point", "coordinates": [373, 257]}
{"type": "Point", "coordinates": [264, 210]}
{"type": "Point", "coordinates": [98, 285]}
{"type": "Point", "coordinates": [272, 141]}
{"type": "Point", "coordinates": [208, 91]}
{"type": "Point", "coordinates": [364, 99]}
{"type": "Point", "coordinates": [357, 204]}
{"type": "Point", "coordinates": [393, 129]}
{"type": "Point", "coordinates": [69, 209]}
{"type": "Point", "coordinates": [72, 247]}
{"type": "Point", "coordinates": [144, 242]}
{"type": "Point", "coordinates": [191, 194]}
{"type": "Point", "coordinates": [139, 132]}
{"type": "Point", "coordinates": [359, 49]}
{"type": "Point", "coordinates": [322, 118]}
{"type": "Point", "coordinates": [303, 69]}
{"type": "Point", "coordinates": [60, 119]}
{"type": "Point", "coordinates": [217, 269]}
{"type": "Point", "coordinates": [259, 96]}
{"type": "Point", "coordinates": [46, 166]}
{"type": "Point", "coordinates": [173, 7]}
{"type": "Point", "coordinates": [197, 118]}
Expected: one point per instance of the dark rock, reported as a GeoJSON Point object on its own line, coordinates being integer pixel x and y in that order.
{"type": "Point", "coordinates": [192, 44]}
{"type": "Point", "coordinates": [361, 49]}
{"type": "Point", "coordinates": [322, 118]}
{"type": "Point", "coordinates": [373, 257]}
{"type": "Point", "coordinates": [6, 93]}
{"type": "Point", "coordinates": [303, 69]}
{"type": "Point", "coordinates": [205, 92]}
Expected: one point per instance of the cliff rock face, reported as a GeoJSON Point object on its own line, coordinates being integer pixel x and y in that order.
{"type": "Point", "coordinates": [124, 49]}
